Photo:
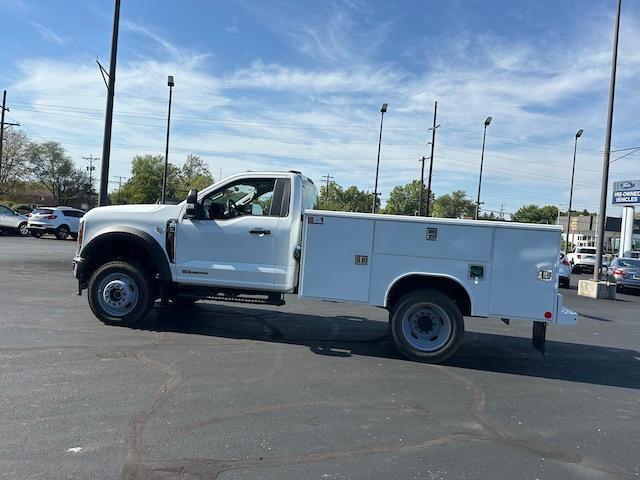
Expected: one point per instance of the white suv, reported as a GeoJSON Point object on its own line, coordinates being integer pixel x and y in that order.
{"type": "Point", "coordinates": [582, 258]}
{"type": "Point", "coordinates": [61, 221]}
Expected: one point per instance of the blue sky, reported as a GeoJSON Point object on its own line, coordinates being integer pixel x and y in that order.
{"type": "Point", "coordinates": [280, 85]}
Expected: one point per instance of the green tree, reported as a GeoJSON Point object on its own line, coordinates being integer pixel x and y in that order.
{"type": "Point", "coordinates": [351, 199]}
{"type": "Point", "coordinates": [534, 214]}
{"type": "Point", "coordinates": [145, 184]}
{"type": "Point", "coordinates": [404, 199]}
{"type": "Point", "coordinates": [454, 205]}
{"type": "Point", "coordinates": [15, 166]}
{"type": "Point", "coordinates": [50, 166]}
{"type": "Point", "coordinates": [193, 174]}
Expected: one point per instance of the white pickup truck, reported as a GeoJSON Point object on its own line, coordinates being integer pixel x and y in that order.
{"type": "Point", "coordinates": [257, 236]}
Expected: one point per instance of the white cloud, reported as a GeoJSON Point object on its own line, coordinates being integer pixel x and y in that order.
{"type": "Point", "coordinates": [48, 34]}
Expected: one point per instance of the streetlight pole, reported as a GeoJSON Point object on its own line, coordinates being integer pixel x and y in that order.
{"type": "Point", "coordinates": [487, 122]}
{"type": "Point", "coordinates": [383, 110]}
{"type": "Point", "coordinates": [170, 84]}
{"type": "Point", "coordinates": [573, 170]}
{"type": "Point", "coordinates": [108, 118]}
{"type": "Point", "coordinates": [433, 145]}
{"type": "Point", "coordinates": [602, 214]}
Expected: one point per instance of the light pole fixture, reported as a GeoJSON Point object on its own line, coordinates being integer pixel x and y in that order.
{"type": "Point", "coordinates": [487, 122]}
{"type": "Point", "coordinates": [170, 84]}
{"type": "Point", "coordinates": [573, 170]}
{"type": "Point", "coordinates": [383, 110]}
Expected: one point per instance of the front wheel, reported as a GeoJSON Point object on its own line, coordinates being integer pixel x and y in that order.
{"type": "Point", "coordinates": [427, 326]}
{"type": "Point", "coordinates": [120, 293]}
{"type": "Point", "coordinates": [23, 230]}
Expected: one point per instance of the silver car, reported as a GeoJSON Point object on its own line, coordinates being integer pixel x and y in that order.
{"type": "Point", "coordinates": [13, 221]}
{"type": "Point", "coordinates": [625, 272]}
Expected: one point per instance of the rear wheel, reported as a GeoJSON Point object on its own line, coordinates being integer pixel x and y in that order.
{"type": "Point", "coordinates": [62, 232]}
{"type": "Point", "coordinates": [23, 230]}
{"type": "Point", "coordinates": [427, 326]}
{"type": "Point", "coordinates": [120, 293]}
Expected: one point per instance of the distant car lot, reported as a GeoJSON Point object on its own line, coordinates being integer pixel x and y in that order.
{"type": "Point", "coordinates": [313, 390]}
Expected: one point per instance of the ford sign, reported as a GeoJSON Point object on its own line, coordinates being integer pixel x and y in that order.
{"type": "Point", "coordinates": [626, 192]}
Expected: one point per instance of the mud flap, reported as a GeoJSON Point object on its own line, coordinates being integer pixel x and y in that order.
{"type": "Point", "coordinates": [539, 336]}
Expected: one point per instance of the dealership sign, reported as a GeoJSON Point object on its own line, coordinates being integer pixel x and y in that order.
{"type": "Point", "coordinates": [626, 192]}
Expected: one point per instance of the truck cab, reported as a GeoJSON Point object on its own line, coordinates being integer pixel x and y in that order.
{"type": "Point", "coordinates": [243, 232]}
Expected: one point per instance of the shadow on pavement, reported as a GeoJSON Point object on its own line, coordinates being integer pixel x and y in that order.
{"type": "Point", "coordinates": [346, 336]}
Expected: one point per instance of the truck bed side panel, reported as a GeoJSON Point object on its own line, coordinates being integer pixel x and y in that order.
{"type": "Point", "coordinates": [329, 249]}
{"type": "Point", "coordinates": [516, 290]}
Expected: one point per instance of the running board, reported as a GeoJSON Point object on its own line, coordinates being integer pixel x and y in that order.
{"type": "Point", "coordinates": [272, 299]}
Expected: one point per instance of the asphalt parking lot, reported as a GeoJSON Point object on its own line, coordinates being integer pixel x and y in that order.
{"type": "Point", "coordinates": [308, 390]}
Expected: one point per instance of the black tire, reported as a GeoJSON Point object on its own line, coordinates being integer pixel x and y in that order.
{"type": "Point", "coordinates": [36, 234]}
{"type": "Point", "coordinates": [564, 283]}
{"type": "Point", "coordinates": [184, 301]}
{"type": "Point", "coordinates": [74, 237]}
{"type": "Point", "coordinates": [62, 232]}
{"type": "Point", "coordinates": [619, 289]}
{"type": "Point", "coordinates": [112, 273]}
{"type": "Point", "coordinates": [23, 231]}
{"type": "Point", "coordinates": [428, 305]}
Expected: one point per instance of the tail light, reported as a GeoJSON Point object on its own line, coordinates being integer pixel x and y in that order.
{"type": "Point", "coordinates": [579, 256]}
{"type": "Point", "coordinates": [617, 271]}
{"type": "Point", "coordinates": [51, 217]}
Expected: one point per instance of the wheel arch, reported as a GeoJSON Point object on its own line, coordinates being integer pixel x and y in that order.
{"type": "Point", "coordinates": [125, 242]}
{"type": "Point", "coordinates": [444, 283]}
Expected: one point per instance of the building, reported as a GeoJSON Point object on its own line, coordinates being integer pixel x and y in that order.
{"type": "Point", "coordinates": [584, 232]}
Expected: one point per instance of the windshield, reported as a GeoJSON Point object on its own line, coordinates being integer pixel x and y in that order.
{"type": "Point", "coordinates": [42, 211]}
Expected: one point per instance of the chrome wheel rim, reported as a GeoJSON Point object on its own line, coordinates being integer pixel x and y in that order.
{"type": "Point", "coordinates": [118, 294]}
{"type": "Point", "coordinates": [64, 233]}
{"type": "Point", "coordinates": [23, 229]}
{"type": "Point", "coordinates": [426, 327]}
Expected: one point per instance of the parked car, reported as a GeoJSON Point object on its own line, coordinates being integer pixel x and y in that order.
{"type": "Point", "coordinates": [625, 272]}
{"type": "Point", "coordinates": [582, 258]}
{"type": "Point", "coordinates": [564, 271]}
{"type": "Point", "coordinates": [61, 221]}
{"type": "Point", "coordinates": [11, 220]}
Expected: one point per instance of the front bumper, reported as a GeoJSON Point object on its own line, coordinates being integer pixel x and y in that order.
{"type": "Point", "coordinates": [80, 267]}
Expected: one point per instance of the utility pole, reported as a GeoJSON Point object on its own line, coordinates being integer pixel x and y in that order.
{"type": "Point", "coordinates": [2, 124]}
{"type": "Point", "coordinates": [90, 169]}
{"type": "Point", "coordinates": [119, 177]}
{"type": "Point", "coordinates": [433, 144]}
{"type": "Point", "coordinates": [502, 211]}
{"type": "Point", "coordinates": [421, 194]}
{"type": "Point", "coordinates": [108, 118]}
{"type": "Point", "coordinates": [602, 214]}
{"type": "Point", "coordinates": [328, 179]}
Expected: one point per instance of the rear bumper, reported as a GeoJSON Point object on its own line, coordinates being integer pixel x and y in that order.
{"type": "Point", "coordinates": [564, 315]}
{"type": "Point", "coordinates": [40, 228]}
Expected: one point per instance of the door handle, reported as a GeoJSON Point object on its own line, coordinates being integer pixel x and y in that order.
{"type": "Point", "coordinates": [260, 231]}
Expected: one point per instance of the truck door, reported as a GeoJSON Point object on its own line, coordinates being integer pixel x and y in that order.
{"type": "Point", "coordinates": [233, 242]}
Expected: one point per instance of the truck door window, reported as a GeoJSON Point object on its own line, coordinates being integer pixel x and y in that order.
{"type": "Point", "coordinates": [245, 197]}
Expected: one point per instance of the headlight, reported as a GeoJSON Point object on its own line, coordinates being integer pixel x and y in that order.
{"type": "Point", "coordinates": [80, 236]}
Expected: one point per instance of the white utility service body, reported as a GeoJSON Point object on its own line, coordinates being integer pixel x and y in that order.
{"type": "Point", "coordinates": [257, 236]}
{"type": "Point", "coordinates": [519, 261]}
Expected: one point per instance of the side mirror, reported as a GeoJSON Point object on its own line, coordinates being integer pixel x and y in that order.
{"type": "Point", "coordinates": [192, 204]}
